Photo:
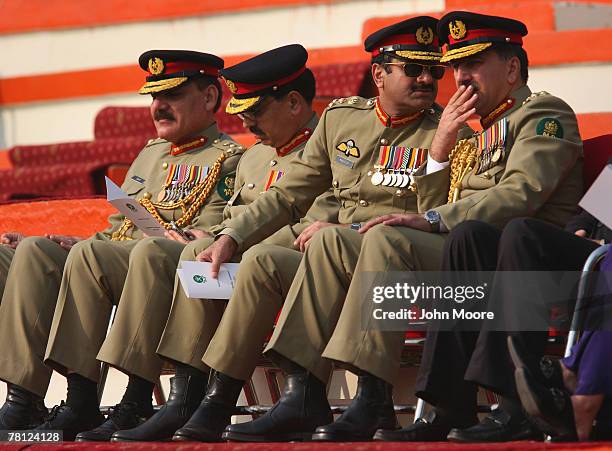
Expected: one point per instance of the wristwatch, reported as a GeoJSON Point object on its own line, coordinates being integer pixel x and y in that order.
{"type": "Point", "coordinates": [355, 226]}
{"type": "Point", "coordinates": [433, 218]}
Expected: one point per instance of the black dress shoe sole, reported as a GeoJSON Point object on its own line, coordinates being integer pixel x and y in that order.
{"type": "Point", "coordinates": [292, 437]}
{"type": "Point", "coordinates": [331, 437]}
{"type": "Point", "coordinates": [91, 439]}
{"type": "Point", "coordinates": [185, 437]}
{"type": "Point", "coordinates": [400, 435]}
{"type": "Point", "coordinates": [545, 421]}
{"type": "Point", "coordinates": [129, 440]}
{"type": "Point", "coordinates": [458, 437]}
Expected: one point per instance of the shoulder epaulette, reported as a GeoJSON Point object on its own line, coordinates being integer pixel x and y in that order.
{"type": "Point", "coordinates": [352, 102]}
{"type": "Point", "coordinates": [154, 141]}
{"type": "Point", "coordinates": [228, 145]}
{"type": "Point", "coordinates": [534, 96]}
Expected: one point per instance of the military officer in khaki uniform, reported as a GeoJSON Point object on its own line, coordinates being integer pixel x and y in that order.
{"type": "Point", "coordinates": [536, 175]}
{"type": "Point", "coordinates": [526, 162]}
{"type": "Point", "coordinates": [273, 95]}
{"type": "Point", "coordinates": [184, 176]}
{"type": "Point", "coordinates": [373, 152]}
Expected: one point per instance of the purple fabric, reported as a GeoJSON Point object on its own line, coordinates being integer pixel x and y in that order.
{"type": "Point", "coordinates": [591, 357]}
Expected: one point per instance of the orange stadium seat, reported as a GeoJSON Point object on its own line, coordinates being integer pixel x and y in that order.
{"type": "Point", "coordinates": [56, 180]}
{"type": "Point", "coordinates": [115, 122]}
{"type": "Point", "coordinates": [78, 217]}
{"type": "Point", "coordinates": [102, 151]}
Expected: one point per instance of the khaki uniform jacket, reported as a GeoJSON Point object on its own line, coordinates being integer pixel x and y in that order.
{"type": "Point", "coordinates": [257, 170]}
{"type": "Point", "coordinates": [540, 175]}
{"type": "Point", "coordinates": [325, 162]}
{"type": "Point", "coordinates": [147, 175]}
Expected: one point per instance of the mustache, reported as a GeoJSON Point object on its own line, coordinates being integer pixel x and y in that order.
{"type": "Point", "coordinates": [423, 87]}
{"type": "Point", "coordinates": [161, 114]}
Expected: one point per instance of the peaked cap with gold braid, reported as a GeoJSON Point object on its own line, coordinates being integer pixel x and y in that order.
{"type": "Point", "coordinates": [467, 33]}
{"type": "Point", "coordinates": [251, 80]}
{"type": "Point", "coordinates": [168, 69]}
{"type": "Point", "coordinates": [410, 39]}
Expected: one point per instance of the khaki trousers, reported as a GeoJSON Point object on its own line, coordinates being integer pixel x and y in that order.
{"type": "Point", "coordinates": [191, 322]}
{"type": "Point", "coordinates": [249, 317]}
{"type": "Point", "coordinates": [138, 276]}
{"type": "Point", "coordinates": [263, 280]}
{"type": "Point", "coordinates": [321, 320]}
{"type": "Point", "coordinates": [26, 311]}
{"type": "Point", "coordinates": [6, 256]}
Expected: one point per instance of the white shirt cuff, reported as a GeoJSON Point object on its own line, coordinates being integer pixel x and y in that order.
{"type": "Point", "coordinates": [434, 166]}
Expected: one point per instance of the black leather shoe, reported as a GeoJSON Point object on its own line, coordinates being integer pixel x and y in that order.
{"type": "Point", "coordinates": [431, 428]}
{"type": "Point", "coordinates": [125, 415]}
{"type": "Point", "coordinates": [21, 410]}
{"type": "Point", "coordinates": [370, 410]}
{"type": "Point", "coordinates": [185, 395]}
{"type": "Point", "coordinates": [549, 408]}
{"type": "Point", "coordinates": [498, 426]}
{"type": "Point", "coordinates": [547, 371]}
{"type": "Point", "coordinates": [71, 422]}
{"type": "Point", "coordinates": [215, 412]}
{"type": "Point", "coordinates": [302, 408]}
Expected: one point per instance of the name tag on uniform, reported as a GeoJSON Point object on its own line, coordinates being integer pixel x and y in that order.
{"type": "Point", "coordinates": [138, 179]}
{"type": "Point", "coordinates": [344, 161]}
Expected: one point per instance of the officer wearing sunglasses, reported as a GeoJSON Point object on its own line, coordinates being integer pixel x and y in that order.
{"type": "Point", "coordinates": [373, 152]}
{"type": "Point", "coordinates": [416, 69]}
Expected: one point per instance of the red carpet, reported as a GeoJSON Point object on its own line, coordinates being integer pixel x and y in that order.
{"type": "Point", "coordinates": [371, 446]}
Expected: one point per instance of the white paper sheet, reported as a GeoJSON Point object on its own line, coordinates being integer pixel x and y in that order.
{"type": "Point", "coordinates": [598, 199]}
{"type": "Point", "coordinates": [197, 283]}
{"type": "Point", "coordinates": [132, 210]}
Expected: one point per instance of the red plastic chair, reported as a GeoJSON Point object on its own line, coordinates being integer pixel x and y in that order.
{"type": "Point", "coordinates": [597, 151]}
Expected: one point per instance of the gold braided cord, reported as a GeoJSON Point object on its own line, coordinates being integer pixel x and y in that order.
{"type": "Point", "coordinates": [120, 234]}
{"type": "Point", "coordinates": [462, 159]}
{"type": "Point", "coordinates": [190, 204]}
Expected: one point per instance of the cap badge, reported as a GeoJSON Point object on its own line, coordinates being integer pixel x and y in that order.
{"type": "Point", "coordinates": [424, 35]}
{"type": "Point", "coordinates": [457, 29]}
{"type": "Point", "coordinates": [232, 87]}
{"type": "Point", "coordinates": [156, 66]}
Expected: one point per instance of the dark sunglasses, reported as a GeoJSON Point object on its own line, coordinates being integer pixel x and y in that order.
{"type": "Point", "coordinates": [416, 69]}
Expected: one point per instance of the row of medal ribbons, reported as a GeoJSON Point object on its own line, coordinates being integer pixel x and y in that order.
{"type": "Point", "coordinates": [491, 145]}
{"type": "Point", "coordinates": [396, 165]}
{"type": "Point", "coordinates": [180, 180]}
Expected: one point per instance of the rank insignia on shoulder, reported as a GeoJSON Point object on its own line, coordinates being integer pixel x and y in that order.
{"type": "Point", "coordinates": [550, 127]}
{"type": "Point", "coordinates": [349, 148]}
{"type": "Point", "coordinates": [535, 95]}
{"type": "Point", "coordinates": [225, 187]}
